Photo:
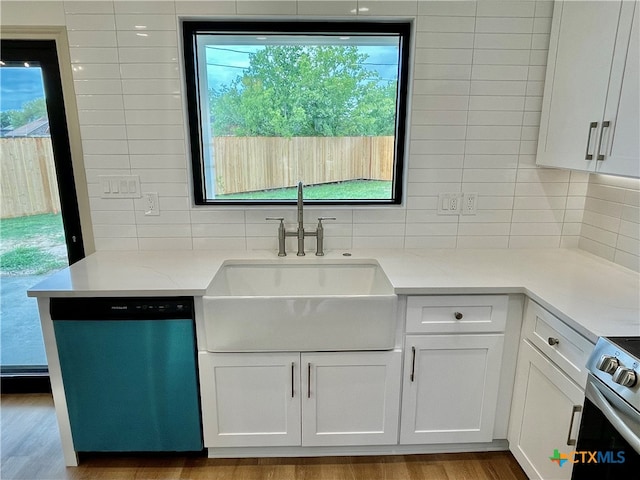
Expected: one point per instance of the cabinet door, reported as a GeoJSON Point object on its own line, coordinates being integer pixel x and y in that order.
{"type": "Point", "coordinates": [351, 398]}
{"type": "Point", "coordinates": [583, 36]}
{"type": "Point", "coordinates": [250, 399]}
{"type": "Point", "coordinates": [450, 388]}
{"type": "Point", "coordinates": [621, 147]}
{"type": "Point", "coordinates": [545, 415]}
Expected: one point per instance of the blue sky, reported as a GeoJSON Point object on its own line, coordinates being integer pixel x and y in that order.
{"type": "Point", "coordinates": [226, 62]}
{"type": "Point", "coordinates": [19, 85]}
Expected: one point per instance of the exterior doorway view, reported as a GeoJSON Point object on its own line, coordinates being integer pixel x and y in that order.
{"type": "Point", "coordinates": [39, 219]}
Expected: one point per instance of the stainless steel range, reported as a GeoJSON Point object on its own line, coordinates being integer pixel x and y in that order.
{"type": "Point", "coordinates": [610, 425]}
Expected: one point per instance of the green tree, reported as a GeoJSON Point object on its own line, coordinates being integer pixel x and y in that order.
{"type": "Point", "coordinates": [6, 120]}
{"type": "Point", "coordinates": [305, 91]}
{"type": "Point", "coordinates": [30, 111]}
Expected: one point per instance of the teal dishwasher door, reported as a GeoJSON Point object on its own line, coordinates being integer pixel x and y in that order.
{"type": "Point", "coordinates": [130, 384]}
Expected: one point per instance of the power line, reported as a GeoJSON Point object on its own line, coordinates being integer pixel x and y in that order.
{"type": "Point", "coordinates": [229, 66]}
{"type": "Point", "coordinates": [228, 50]}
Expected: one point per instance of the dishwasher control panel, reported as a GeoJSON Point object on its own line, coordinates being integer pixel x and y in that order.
{"type": "Point", "coordinates": [121, 308]}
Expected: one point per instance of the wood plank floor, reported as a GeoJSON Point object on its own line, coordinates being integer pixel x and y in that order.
{"type": "Point", "coordinates": [31, 450]}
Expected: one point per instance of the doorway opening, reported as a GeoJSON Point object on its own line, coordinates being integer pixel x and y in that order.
{"type": "Point", "coordinates": [39, 218]}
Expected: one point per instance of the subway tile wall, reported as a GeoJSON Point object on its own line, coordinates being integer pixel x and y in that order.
{"type": "Point", "coordinates": [611, 221]}
{"type": "Point", "coordinates": [477, 82]}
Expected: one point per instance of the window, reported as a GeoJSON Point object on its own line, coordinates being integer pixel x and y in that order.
{"type": "Point", "coordinates": [272, 104]}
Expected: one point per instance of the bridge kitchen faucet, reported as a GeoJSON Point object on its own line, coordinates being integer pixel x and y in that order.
{"type": "Point", "coordinates": [300, 232]}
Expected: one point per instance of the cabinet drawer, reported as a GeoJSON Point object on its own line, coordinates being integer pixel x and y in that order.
{"type": "Point", "coordinates": [563, 345]}
{"type": "Point", "coordinates": [457, 313]}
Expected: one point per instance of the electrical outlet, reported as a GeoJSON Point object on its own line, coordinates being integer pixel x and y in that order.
{"type": "Point", "coordinates": [151, 205]}
{"type": "Point", "coordinates": [469, 203]}
{"type": "Point", "coordinates": [454, 204]}
{"type": "Point", "coordinates": [449, 203]}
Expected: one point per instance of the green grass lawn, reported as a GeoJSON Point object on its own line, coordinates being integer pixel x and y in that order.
{"type": "Point", "coordinates": [32, 245]}
{"type": "Point", "coordinates": [350, 190]}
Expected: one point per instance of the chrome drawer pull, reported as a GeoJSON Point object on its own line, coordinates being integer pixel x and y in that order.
{"type": "Point", "coordinates": [592, 125]}
{"type": "Point", "coordinates": [574, 410]}
{"type": "Point", "coordinates": [553, 341]}
{"type": "Point", "coordinates": [600, 156]}
{"type": "Point", "coordinates": [413, 363]}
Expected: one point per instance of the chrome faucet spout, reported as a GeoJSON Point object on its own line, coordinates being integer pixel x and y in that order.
{"type": "Point", "coordinates": [300, 233]}
{"type": "Point", "coordinates": [300, 221]}
{"type": "Point", "coordinates": [300, 206]}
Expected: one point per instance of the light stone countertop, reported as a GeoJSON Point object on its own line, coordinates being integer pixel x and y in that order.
{"type": "Point", "coordinates": [594, 296]}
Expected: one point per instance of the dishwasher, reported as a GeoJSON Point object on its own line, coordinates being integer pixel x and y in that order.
{"type": "Point", "coordinates": [129, 373]}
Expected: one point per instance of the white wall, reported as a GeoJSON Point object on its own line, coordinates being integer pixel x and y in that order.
{"type": "Point", "coordinates": [477, 88]}
{"type": "Point", "coordinates": [611, 223]}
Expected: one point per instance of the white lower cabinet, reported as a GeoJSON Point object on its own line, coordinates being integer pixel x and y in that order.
{"type": "Point", "coordinates": [450, 388]}
{"type": "Point", "coordinates": [292, 399]}
{"type": "Point", "coordinates": [352, 398]}
{"type": "Point", "coordinates": [545, 415]}
{"type": "Point", "coordinates": [250, 399]}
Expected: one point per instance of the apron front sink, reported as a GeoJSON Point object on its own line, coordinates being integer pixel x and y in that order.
{"type": "Point", "coordinates": [268, 306]}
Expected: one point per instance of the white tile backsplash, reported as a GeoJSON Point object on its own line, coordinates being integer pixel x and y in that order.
{"type": "Point", "coordinates": [611, 222]}
{"type": "Point", "coordinates": [152, 102]}
{"type": "Point", "coordinates": [82, 55]}
{"type": "Point", "coordinates": [144, 7]}
{"type": "Point", "coordinates": [503, 25]}
{"type": "Point", "coordinates": [90, 22]}
{"type": "Point", "coordinates": [88, 87]}
{"type": "Point", "coordinates": [88, 6]}
{"type": "Point", "coordinates": [95, 71]}
{"type": "Point", "coordinates": [146, 38]}
{"type": "Point", "coordinates": [99, 102]}
{"type": "Point", "coordinates": [345, 8]}
{"type": "Point", "coordinates": [387, 7]}
{"type": "Point", "coordinates": [478, 78]}
{"type": "Point", "coordinates": [142, 55]}
{"type": "Point", "coordinates": [149, 70]}
{"type": "Point", "coordinates": [506, 8]}
{"type": "Point", "coordinates": [145, 22]}
{"type": "Point", "coordinates": [516, 41]}
{"type": "Point", "coordinates": [92, 38]}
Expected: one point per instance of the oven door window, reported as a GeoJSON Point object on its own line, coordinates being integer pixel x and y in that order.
{"type": "Point", "coordinates": [598, 435]}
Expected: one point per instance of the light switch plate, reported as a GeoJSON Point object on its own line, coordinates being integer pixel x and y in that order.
{"type": "Point", "coordinates": [119, 186]}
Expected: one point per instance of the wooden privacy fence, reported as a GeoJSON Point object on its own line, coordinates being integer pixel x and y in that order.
{"type": "Point", "coordinates": [28, 177]}
{"type": "Point", "coordinates": [245, 164]}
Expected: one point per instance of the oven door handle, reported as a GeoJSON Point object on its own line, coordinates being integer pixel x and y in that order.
{"type": "Point", "coordinates": [600, 401]}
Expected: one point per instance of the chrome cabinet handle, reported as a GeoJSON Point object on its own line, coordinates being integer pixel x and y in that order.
{"type": "Point", "coordinates": [600, 156]}
{"type": "Point", "coordinates": [293, 372]}
{"type": "Point", "coordinates": [458, 315]}
{"type": "Point", "coordinates": [574, 410]}
{"type": "Point", "coordinates": [553, 341]}
{"type": "Point", "coordinates": [592, 125]}
{"type": "Point", "coordinates": [413, 363]}
{"type": "Point", "coordinates": [308, 380]}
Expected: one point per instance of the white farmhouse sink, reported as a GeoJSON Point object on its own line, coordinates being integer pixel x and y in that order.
{"type": "Point", "coordinates": [268, 306]}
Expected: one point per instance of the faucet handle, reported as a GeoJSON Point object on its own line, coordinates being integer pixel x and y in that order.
{"type": "Point", "coordinates": [320, 219]}
{"type": "Point", "coordinates": [280, 219]}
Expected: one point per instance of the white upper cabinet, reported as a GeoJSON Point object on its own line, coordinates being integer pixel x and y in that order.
{"type": "Point", "coordinates": [622, 144]}
{"type": "Point", "coordinates": [590, 108]}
